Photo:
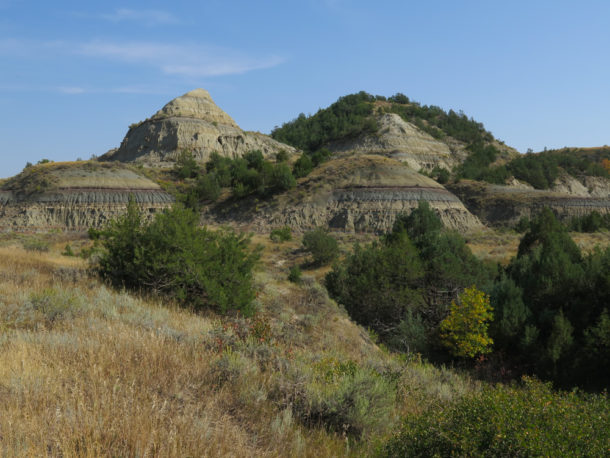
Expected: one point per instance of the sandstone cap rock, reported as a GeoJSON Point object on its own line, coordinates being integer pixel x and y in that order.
{"type": "Point", "coordinates": [196, 104]}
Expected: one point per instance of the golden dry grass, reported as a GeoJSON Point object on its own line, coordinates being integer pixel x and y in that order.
{"type": "Point", "coordinates": [88, 371]}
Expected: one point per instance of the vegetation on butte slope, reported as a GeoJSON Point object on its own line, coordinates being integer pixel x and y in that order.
{"type": "Point", "coordinates": [86, 369]}
{"type": "Point", "coordinates": [485, 158]}
{"type": "Point", "coordinates": [89, 370]}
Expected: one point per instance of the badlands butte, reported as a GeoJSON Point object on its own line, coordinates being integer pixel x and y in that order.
{"type": "Point", "coordinates": [375, 158]}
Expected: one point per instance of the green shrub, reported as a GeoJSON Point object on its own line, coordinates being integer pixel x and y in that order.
{"type": "Point", "coordinates": [281, 234]}
{"type": "Point", "coordinates": [378, 284]}
{"type": "Point", "coordinates": [186, 166]}
{"type": "Point", "coordinates": [477, 165]}
{"type": "Point", "coordinates": [295, 274]}
{"type": "Point", "coordinates": [281, 178]}
{"type": "Point", "coordinates": [547, 303]}
{"type": "Point", "coordinates": [509, 421]}
{"type": "Point", "coordinates": [539, 170]}
{"type": "Point", "coordinates": [281, 156]}
{"type": "Point", "coordinates": [208, 187]}
{"type": "Point", "coordinates": [172, 256]}
{"type": "Point", "coordinates": [36, 245]}
{"type": "Point", "coordinates": [68, 251]}
{"type": "Point", "coordinates": [320, 156]}
{"type": "Point", "coordinates": [402, 286]}
{"type": "Point", "coordinates": [322, 246]}
{"type": "Point", "coordinates": [523, 225]}
{"type": "Point", "coordinates": [303, 166]}
{"type": "Point", "coordinates": [251, 174]}
{"type": "Point", "coordinates": [440, 174]}
{"type": "Point", "coordinates": [592, 222]}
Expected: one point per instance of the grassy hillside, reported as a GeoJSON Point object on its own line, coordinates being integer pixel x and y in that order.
{"type": "Point", "coordinates": [88, 371]}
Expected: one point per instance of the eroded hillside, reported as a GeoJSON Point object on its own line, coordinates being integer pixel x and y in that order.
{"type": "Point", "coordinates": [354, 193]}
{"type": "Point", "coordinates": [192, 122]}
{"type": "Point", "coordinates": [75, 195]}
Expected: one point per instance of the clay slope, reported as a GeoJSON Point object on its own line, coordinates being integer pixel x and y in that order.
{"type": "Point", "coordinates": [75, 196]}
{"type": "Point", "coordinates": [504, 205]}
{"type": "Point", "coordinates": [358, 193]}
{"type": "Point", "coordinates": [191, 122]}
{"type": "Point", "coordinates": [403, 141]}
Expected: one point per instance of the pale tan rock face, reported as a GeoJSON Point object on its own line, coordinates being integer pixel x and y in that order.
{"type": "Point", "coordinates": [197, 104]}
{"type": "Point", "coordinates": [597, 186]}
{"type": "Point", "coordinates": [194, 123]}
{"type": "Point", "coordinates": [567, 184]}
{"type": "Point", "coordinates": [403, 141]}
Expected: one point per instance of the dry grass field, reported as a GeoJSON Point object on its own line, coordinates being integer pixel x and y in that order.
{"type": "Point", "coordinates": [501, 245]}
{"type": "Point", "coordinates": [89, 371]}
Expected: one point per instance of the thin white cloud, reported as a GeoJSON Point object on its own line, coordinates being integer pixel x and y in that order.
{"type": "Point", "coordinates": [219, 68]}
{"type": "Point", "coordinates": [181, 60]}
{"type": "Point", "coordinates": [187, 60]}
{"type": "Point", "coordinates": [146, 17]}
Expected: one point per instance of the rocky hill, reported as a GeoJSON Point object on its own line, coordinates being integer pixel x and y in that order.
{"type": "Point", "coordinates": [353, 193]}
{"type": "Point", "coordinates": [75, 195]}
{"type": "Point", "coordinates": [194, 123]}
{"type": "Point", "coordinates": [401, 140]}
{"type": "Point", "coordinates": [381, 154]}
{"type": "Point", "coordinates": [495, 182]}
{"type": "Point", "coordinates": [425, 137]}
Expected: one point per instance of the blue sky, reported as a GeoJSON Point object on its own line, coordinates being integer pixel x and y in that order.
{"type": "Point", "coordinates": [74, 74]}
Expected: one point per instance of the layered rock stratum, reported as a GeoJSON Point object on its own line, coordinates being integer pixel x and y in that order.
{"type": "Point", "coordinates": [498, 205]}
{"type": "Point", "coordinates": [355, 193]}
{"type": "Point", "coordinates": [192, 122]}
{"type": "Point", "coordinates": [75, 196]}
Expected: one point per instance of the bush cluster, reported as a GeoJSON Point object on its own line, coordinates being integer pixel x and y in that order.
{"type": "Point", "coordinates": [281, 234]}
{"type": "Point", "coordinates": [250, 174]}
{"type": "Point", "coordinates": [438, 122]}
{"type": "Point", "coordinates": [173, 257]}
{"type": "Point", "coordinates": [402, 286]}
{"type": "Point", "coordinates": [349, 116]}
{"type": "Point", "coordinates": [538, 169]}
{"type": "Point", "coordinates": [531, 420]}
{"type": "Point", "coordinates": [550, 304]}
{"type": "Point", "coordinates": [323, 247]}
{"type": "Point", "coordinates": [592, 222]}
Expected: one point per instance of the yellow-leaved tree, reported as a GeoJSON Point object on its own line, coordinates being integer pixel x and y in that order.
{"type": "Point", "coordinates": [464, 331]}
